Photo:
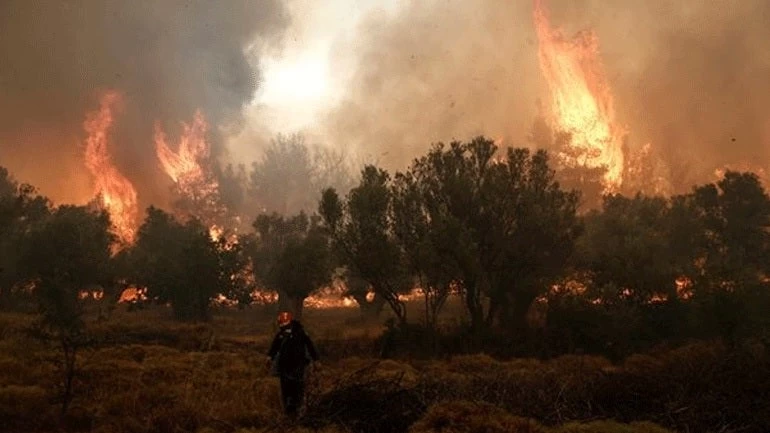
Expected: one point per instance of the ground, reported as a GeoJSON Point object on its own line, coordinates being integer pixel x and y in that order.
{"type": "Point", "coordinates": [146, 373]}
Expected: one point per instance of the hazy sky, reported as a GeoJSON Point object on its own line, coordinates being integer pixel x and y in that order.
{"type": "Point", "coordinates": [388, 78]}
{"type": "Point", "coordinates": [308, 73]}
{"type": "Point", "coordinates": [377, 78]}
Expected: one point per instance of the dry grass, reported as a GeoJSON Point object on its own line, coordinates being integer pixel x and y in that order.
{"type": "Point", "coordinates": [146, 373]}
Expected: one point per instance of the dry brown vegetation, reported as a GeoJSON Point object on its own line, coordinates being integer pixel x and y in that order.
{"type": "Point", "coordinates": [144, 373]}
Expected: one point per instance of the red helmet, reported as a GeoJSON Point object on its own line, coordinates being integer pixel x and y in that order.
{"type": "Point", "coordinates": [284, 318]}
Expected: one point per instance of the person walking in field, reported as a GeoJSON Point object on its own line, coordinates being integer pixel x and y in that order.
{"type": "Point", "coordinates": [289, 355]}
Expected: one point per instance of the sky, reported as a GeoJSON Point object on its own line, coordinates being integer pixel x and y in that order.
{"type": "Point", "coordinates": [379, 79]}
{"type": "Point", "coordinates": [304, 77]}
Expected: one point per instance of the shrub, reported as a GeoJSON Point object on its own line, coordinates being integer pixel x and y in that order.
{"type": "Point", "coordinates": [471, 417]}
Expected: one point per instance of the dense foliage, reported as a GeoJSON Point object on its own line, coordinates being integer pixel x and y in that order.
{"type": "Point", "coordinates": [531, 267]}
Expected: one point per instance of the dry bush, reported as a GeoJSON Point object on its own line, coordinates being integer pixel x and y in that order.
{"type": "Point", "coordinates": [702, 387]}
{"type": "Point", "coordinates": [163, 389]}
{"type": "Point", "coordinates": [155, 375]}
{"type": "Point", "coordinates": [610, 427]}
{"type": "Point", "coordinates": [472, 417]}
{"type": "Point", "coordinates": [25, 408]}
{"type": "Point", "coordinates": [369, 400]}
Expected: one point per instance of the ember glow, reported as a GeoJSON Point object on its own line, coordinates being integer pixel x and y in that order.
{"type": "Point", "coordinates": [581, 101]}
{"type": "Point", "coordinates": [115, 192]}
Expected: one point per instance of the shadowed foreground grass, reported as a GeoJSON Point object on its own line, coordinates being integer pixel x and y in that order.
{"type": "Point", "coordinates": [144, 373]}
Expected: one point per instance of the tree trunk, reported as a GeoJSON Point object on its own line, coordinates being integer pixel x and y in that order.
{"type": "Point", "coordinates": [398, 307]}
{"type": "Point", "coordinates": [517, 309]}
{"type": "Point", "coordinates": [293, 304]}
{"type": "Point", "coordinates": [369, 310]}
{"type": "Point", "coordinates": [284, 302]}
{"type": "Point", "coordinates": [298, 304]}
{"type": "Point", "coordinates": [473, 304]}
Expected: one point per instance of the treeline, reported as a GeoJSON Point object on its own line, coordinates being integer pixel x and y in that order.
{"type": "Point", "coordinates": [538, 277]}
{"type": "Point", "coordinates": [496, 227]}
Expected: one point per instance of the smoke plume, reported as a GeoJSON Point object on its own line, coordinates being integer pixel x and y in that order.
{"type": "Point", "coordinates": [689, 77]}
{"type": "Point", "coordinates": [167, 58]}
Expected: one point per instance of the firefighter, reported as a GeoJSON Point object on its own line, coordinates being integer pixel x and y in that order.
{"type": "Point", "coordinates": [290, 354]}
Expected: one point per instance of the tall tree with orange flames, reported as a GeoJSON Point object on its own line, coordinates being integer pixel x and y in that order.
{"type": "Point", "coordinates": [114, 192]}
{"type": "Point", "coordinates": [196, 189]}
{"type": "Point", "coordinates": [582, 103]}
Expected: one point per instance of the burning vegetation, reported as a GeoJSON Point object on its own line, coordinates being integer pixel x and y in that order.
{"type": "Point", "coordinates": [189, 167]}
{"type": "Point", "coordinates": [582, 103]}
{"type": "Point", "coordinates": [643, 304]}
{"type": "Point", "coordinates": [114, 192]}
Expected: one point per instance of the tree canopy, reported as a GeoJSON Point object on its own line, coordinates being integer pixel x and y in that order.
{"type": "Point", "coordinates": [291, 256]}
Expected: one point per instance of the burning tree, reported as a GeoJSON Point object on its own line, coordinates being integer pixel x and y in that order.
{"type": "Point", "coordinates": [196, 189]}
{"type": "Point", "coordinates": [573, 167]}
{"type": "Point", "coordinates": [581, 100]}
{"type": "Point", "coordinates": [113, 191]}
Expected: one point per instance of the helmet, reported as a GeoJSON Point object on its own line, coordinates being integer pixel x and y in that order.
{"type": "Point", "coordinates": [284, 318]}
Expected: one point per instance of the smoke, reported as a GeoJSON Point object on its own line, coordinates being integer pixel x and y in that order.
{"type": "Point", "coordinates": [168, 58]}
{"type": "Point", "coordinates": [689, 77]}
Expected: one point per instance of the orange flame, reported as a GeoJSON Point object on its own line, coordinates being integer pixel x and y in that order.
{"type": "Point", "coordinates": [581, 100]}
{"type": "Point", "coordinates": [116, 193]}
{"type": "Point", "coordinates": [184, 166]}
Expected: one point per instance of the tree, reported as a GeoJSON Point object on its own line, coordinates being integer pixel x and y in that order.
{"type": "Point", "coordinates": [362, 235]}
{"type": "Point", "coordinates": [731, 285]}
{"type": "Point", "coordinates": [232, 182]}
{"type": "Point", "coordinates": [735, 213]}
{"type": "Point", "coordinates": [412, 228]}
{"type": "Point", "coordinates": [180, 264]}
{"type": "Point", "coordinates": [291, 174]}
{"type": "Point", "coordinates": [504, 223]}
{"type": "Point", "coordinates": [571, 164]}
{"type": "Point", "coordinates": [67, 252]}
{"type": "Point", "coordinates": [629, 249]}
{"type": "Point", "coordinates": [291, 256]}
{"type": "Point", "coordinates": [282, 180]}
{"type": "Point", "coordinates": [20, 209]}
{"type": "Point", "coordinates": [361, 291]}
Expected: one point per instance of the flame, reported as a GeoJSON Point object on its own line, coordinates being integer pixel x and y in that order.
{"type": "Point", "coordinates": [133, 294]}
{"type": "Point", "coordinates": [325, 301]}
{"type": "Point", "coordinates": [115, 192]}
{"type": "Point", "coordinates": [742, 167]}
{"type": "Point", "coordinates": [216, 232]}
{"type": "Point", "coordinates": [185, 166]}
{"type": "Point", "coordinates": [581, 100]}
{"type": "Point", "coordinates": [646, 173]}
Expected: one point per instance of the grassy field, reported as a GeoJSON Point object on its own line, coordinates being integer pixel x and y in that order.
{"type": "Point", "coordinates": [146, 373]}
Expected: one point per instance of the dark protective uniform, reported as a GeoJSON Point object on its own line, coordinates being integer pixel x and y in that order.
{"type": "Point", "coordinates": [290, 365]}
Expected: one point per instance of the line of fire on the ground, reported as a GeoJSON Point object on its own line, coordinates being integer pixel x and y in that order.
{"type": "Point", "coordinates": [335, 297]}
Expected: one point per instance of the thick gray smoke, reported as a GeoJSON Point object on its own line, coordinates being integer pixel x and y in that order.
{"type": "Point", "coordinates": [168, 58]}
{"type": "Point", "coordinates": [691, 77]}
